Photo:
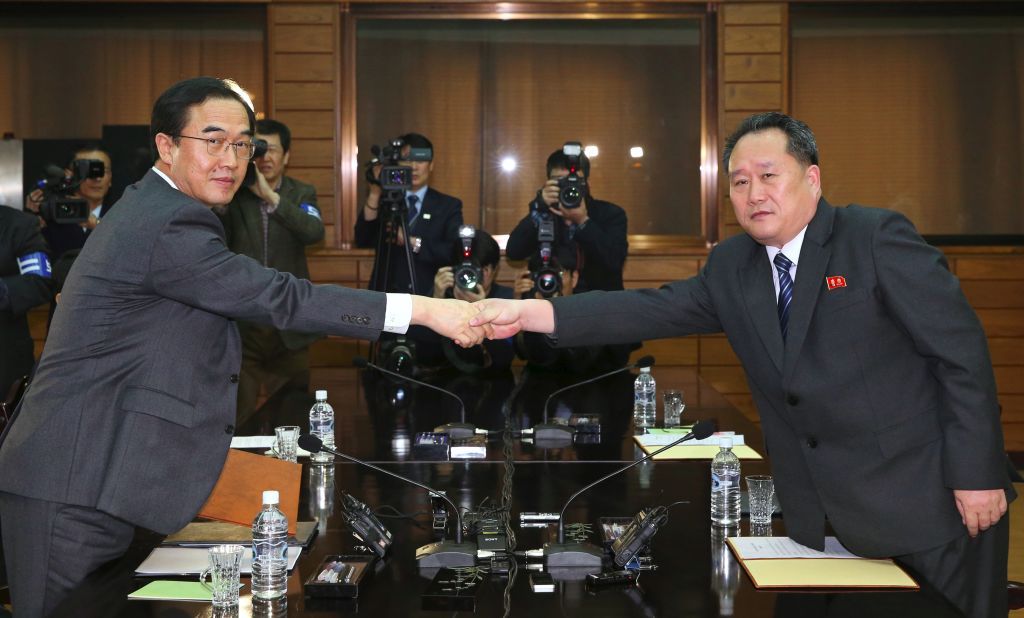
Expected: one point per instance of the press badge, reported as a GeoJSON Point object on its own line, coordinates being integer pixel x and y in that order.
{"type": "Point", "coordinates": [310, 210]}
{"type": "Point", "coordinates": [36, 263]}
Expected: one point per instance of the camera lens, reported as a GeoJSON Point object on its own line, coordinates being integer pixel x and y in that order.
{"type": "Point", "coordinates": [467, 277]}
{"type": "Point", "coordinates": [570, 197]}
{"type": "Point", "coordinates": [548, 283]}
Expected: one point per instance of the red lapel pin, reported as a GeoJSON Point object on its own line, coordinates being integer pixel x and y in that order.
{"type": "Point", "coordinates": [837, 281]}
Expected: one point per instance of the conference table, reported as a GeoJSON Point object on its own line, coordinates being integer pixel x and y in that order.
{"type": "Point", "coordinates": [694, 573]}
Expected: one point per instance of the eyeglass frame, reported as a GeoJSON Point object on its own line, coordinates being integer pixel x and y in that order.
{"type": "Point", "coordinates": [212, 142]}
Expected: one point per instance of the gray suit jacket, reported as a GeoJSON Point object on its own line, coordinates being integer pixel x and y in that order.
{"type": "Point", "coordinates": [880, 402]}
{"type": "Point", "coordinates": [132, 406]}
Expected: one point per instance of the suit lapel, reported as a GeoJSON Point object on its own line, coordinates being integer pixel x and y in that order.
{"type": "Point", "coordinates": [759, 295]}
{"type": "Point", "coordinates": [810, 273]}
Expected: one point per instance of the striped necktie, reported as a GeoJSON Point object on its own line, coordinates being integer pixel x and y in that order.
{"type": "Point", "coordinates": [783, 264]}
{"type": "Point", "coordinates": [413, 210]}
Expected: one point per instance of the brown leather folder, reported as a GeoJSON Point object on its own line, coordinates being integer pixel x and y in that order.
{"type": "Point", "coordinates": [238, 495]}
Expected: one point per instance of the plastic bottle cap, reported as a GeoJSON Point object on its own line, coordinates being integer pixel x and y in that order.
{"type": "Point", "coordinates": [321, 395]}
{"type": "Point", "coordinates": [725, 442]}
{"type": "Point", "coordinates": [645, 370]}
{"type": "Point", "coordinates": [271, 496]}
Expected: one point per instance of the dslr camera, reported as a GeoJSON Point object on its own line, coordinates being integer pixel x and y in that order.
{"type": "Point", "coordinates": [57, 205]}
{"type": "Point", "coordinates": [467, 270]}
{"type": "Point", "coordinates": [572, 188]}
{"type": "Point", "coordinates": [259, 148]}
{"type": "Point", "coordinates": [547, 278]}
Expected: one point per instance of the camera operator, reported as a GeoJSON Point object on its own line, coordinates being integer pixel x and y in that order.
{"type": "Point", "coordinates": [471, 278]}
{"type": "Point", "coordinates": [595, 229]}
{"type": "Point", "coordinates": [272, 219]}
{"type": "Point", "coordinates": [25, 282]}
{"type": "Point", "coordinates": [560, 277]}
{"type": "Point", "coordinates": [433, 221]}
{"type": "Point", "coordinates": [65, 237]}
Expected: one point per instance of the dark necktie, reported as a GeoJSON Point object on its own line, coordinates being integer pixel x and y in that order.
{"type": "Point", "coordinates": [413, 199]}
{"type": "Point", "coordinates": [783, 264]}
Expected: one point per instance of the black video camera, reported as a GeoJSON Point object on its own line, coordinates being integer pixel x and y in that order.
{"type": "Point", "coordinates": [468, 272]}
{"type": "Point", "coordinates": [572, 188]}
{"type": "Point", "coordinates": [394, 176]}
{"type": "Point", "coordinates": [57, 205]}
{"type": "Point", "coordinates": [547, 278]}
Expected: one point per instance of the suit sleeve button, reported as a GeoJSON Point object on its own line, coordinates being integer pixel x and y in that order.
{"type": "Point", "coordinates": [792, 399]}
{"type": "Point", "coordinates": [234, 378]}
{"type": "Point", "coordinates": [812, 442]}
{"type": "Point", "coordinates": [229, 429]}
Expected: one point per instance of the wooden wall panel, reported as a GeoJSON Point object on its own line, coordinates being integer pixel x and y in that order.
{"type": "Point", "coordinates": [305, 95]}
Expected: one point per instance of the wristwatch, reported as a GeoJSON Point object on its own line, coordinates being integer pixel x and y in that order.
{"type": "Point", "coordinates": [417, 242]}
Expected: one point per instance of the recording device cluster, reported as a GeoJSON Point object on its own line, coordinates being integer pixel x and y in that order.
{"type": "Point", "coordinates": [468, 272]}
{"type": "Point", "coordinates": [364, 525]}
{"type": "Point", "coordinates": [57, 205]}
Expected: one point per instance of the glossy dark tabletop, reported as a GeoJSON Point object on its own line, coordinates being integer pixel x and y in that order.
{"type": "Point", "coordinates": [696, 574]}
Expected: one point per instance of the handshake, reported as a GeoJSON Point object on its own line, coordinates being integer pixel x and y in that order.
{"type": "Point", "coordinates": [468, 324]}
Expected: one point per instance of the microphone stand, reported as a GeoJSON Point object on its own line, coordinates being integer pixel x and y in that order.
{"type": "Point", "coordinates": [553, 433]}
{"type": "Point", "coordinates": [455, 431]}
{"type": "Point", "coordinates": [441, 554]}
{"type": "Point", "coordinates": [587, 555]}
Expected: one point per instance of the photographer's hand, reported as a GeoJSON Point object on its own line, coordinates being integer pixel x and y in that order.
{"type": "Point", "coordinates": [33, 200]}
{"type": "Point", "coordinates": [370, 208]}
{"type": "Point", "coordinates": [262, 189]}
{"type": "Point", "coordinates": [443, 281]}
{"type": "Point", "coordinates": [549, 192]}
{"type": "Point", "coordinates": [524, 284]}
{"type": "Point", "coordinates": [572, 215]}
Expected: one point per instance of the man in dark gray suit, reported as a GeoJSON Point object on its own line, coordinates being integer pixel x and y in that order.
{"type": "Point", "coordinates": [132, 409]}
{"type": "Point", "coordinates": [869, 369]}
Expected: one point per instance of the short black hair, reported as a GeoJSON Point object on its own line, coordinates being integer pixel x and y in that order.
{"type": "Point", "coordinates": [485, 249]}
{"type": "Point", "coordinates": [800, 145]}
{"type": "Point", "coordinates": [171, 109]}
{"type": "Point", "coordinates": [560, 159]}
{"type": "Point", "coordinates": [278, 128]}
{"type": "Point", "coordinates": [87, 147]}
{"type": "Point", "coordinates": [563, 256]}
{"type": "Point", "coordinates": [416, 140]}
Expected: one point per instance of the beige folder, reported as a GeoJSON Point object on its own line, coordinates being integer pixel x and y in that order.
{"type": "Point", "coordinates": [701, 451]}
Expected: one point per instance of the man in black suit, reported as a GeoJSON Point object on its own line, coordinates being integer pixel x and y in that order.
{"type": "Point", "coordinates": [870, 370]}
{"type": "Point", "coordinates": [595, 230]}
{"type": "Point", "coordinates": [433, 221]}
{"type": "Point", "coordinates": [132, 409]}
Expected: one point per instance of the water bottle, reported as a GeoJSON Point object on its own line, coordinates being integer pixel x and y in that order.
{"type": "Point", "coordinates": [321, 425]}
{"type": "Point", "coordinates": [270, 549]}
{"type": "Point", "coordinates": [645, 401]}
{"type": "Point", "coordinates": [725, 486]}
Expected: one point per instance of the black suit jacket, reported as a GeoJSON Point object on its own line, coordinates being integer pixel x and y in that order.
{"type": "Point", "coordinates": [880, 401]}
{"type": "Point", "coordinates": [132, 408]}
{"type": "Point", "coordinates": [602, 244]}
{"type": "Point", "coordinates": [437, 224]}
{"type": "Point", "coordinates": [19, 236]}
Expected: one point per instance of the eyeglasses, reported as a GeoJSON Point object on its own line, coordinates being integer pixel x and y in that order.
{"type": "Point", "coordinates": [216, 146]}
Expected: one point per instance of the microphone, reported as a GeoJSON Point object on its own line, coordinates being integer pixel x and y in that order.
{"type": "Point", "coordinates": [550, 432]}
{"type": "Point", "coordinates": [564, 554]}
{"type": "Point", "coordinates": [455, 431]}
{"type": "Point", "coordinates": [433, 555]}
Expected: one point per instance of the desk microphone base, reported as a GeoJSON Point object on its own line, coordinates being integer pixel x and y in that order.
{"type": "Point", "coordinates": [446, 554]}
{"type": "Point", "coordinates": [550, 432]}
{"type": "Point", "coordinates": [573, 555]}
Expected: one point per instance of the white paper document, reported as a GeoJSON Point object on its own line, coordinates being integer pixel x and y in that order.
{"type": "Point", "coordinates": [766, 547]}
{"type": "Point", "coordinates": [192, 561]}
{"type": "Point", "coordinates": [264, 442]}
{"type": "Point", "coordinates": [663, 439]}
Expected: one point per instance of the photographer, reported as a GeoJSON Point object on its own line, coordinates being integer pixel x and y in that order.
{"type": "Point", "coordinates": [273, 219]}
{"type": "Point", "coordinates": [65, 237]}
{"type": "Point", "coordinates": [476, 260]}
{"type": "Point", "coordinates": [560, 277]}
{"type": "Point", "coordinates": [432, 218]}
{"type": "Point", "coordinates": [25, 282]}
{"type": "Point", "coordinates": [595, 229]}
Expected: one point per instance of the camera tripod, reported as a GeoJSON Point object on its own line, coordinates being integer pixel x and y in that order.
{"type": "Point", "coordinates": [394, 211]}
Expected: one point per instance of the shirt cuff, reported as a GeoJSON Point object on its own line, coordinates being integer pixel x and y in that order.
{"type": "Point", "coordinates": [397, 313]}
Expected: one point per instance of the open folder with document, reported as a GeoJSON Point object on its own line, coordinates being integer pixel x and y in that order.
{"type": "Point", "coordinates": [780, 562]}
